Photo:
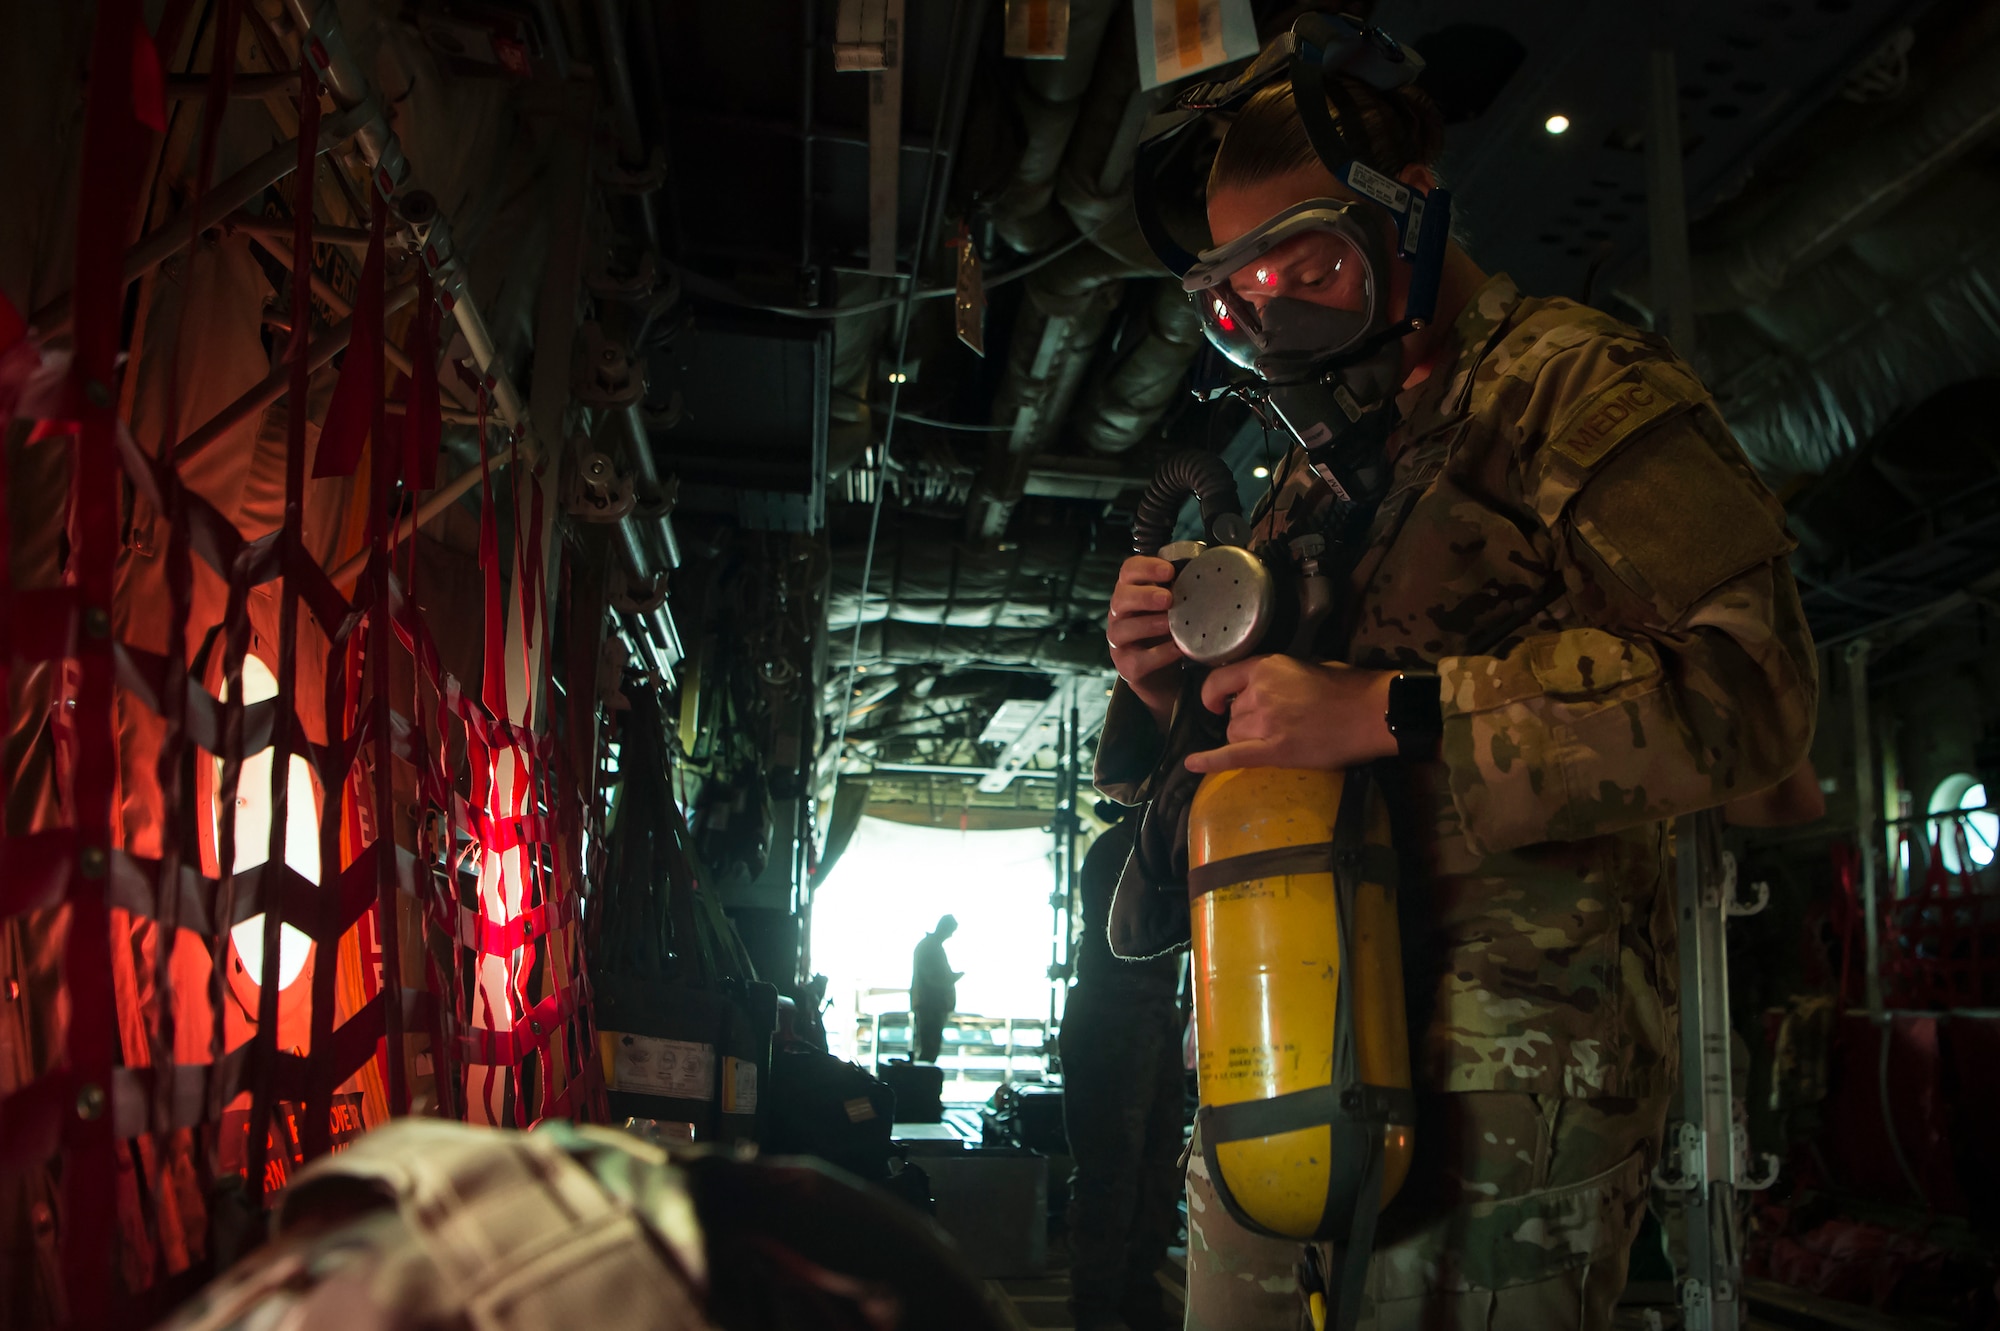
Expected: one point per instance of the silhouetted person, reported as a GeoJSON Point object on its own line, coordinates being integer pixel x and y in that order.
{"type": "Point", "coordinates": [1124, 1089]}
{"type": "Point", "coordinates": [933, 991]}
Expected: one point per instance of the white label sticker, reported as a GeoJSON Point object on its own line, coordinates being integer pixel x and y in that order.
{"type": "Point", "coordinates": [859, 1109]}
{"type": "Point", "coordinates": [739, 1086]}
{"type": "Point", "coordinates": [652, 1066]}
{"type": "Point", "coordinates": [1182, 37]}
{"type": "Point", "coordinates": [1388, 192]}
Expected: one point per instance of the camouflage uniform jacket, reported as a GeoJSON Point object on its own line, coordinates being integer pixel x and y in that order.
{"type": "Point", "coordinates": [1574, 542]}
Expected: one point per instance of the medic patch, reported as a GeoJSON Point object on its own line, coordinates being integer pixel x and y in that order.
{"type": "Point", "coordinates": [1614, 413]}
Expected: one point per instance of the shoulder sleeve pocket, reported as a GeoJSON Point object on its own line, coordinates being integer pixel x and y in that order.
{"type": "Point", "coordinates": [1676, 514]}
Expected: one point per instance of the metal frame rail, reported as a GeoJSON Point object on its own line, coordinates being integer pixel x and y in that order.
{"type": "Point", "coordinates": [1706, 1153]}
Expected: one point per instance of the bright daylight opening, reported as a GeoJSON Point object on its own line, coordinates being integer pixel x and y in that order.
{"type": "Point", "coordinates": [1973, 833]}
{"type": "Point", "coordinates": [253, 836]}
{"type": "Point", "coordinates": [886, 893]}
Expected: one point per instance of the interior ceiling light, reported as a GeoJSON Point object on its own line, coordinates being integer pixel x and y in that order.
{"type": "Point", "coordinates": [1556, 123]}
{"type": "Point", "coordinates": [898, 377]}
{"type": "Point", "coordinates": [1260, 472]}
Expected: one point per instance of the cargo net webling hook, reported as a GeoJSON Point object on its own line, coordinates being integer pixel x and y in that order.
{"type": "Point", "coordinates": [473, 783]}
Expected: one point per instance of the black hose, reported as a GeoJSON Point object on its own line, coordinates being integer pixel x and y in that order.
{"type": "Point", "coordinates": [1203, 475]}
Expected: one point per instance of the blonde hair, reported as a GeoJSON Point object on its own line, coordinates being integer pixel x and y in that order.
{"type": "Point", "coordinates": [1390, 130]}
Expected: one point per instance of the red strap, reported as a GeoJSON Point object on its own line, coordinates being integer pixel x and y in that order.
{"type": "Point", "coordinates": [35, 869]}
{"type": "Point", "coordinates": [493, 692]}
{"type": "Point", "coordinates": [149, 88]}
{"type": "Point", "coordinates": [168, 498]}
{"type": "Point", "coordinates": [149, 83]}
{"type": "Point", "coordinates": [499, 834]}
{"type": "Point", "coordinates": [527, 559]}
{"type": "Point", "coordinates": [263, 1090]}
{"type": "Point", "coordinates": [520, 868]}
{"type": "Point", "coordinates": [493, 638]}
{"type": "Point", "coordinates": [352, 412]}
{"type": "Point", "coordinates": [493, 686]}
{"type": "Point", "coordinates": [13, 330]}
{"type": "Point", "coordinates": [19, 358]}
{"type": "Point", "coordinates": [114, 153]}
{"type": "Point", "coordinates": [530, 1032]}
{"type": "Point", "coordinates": [381, 632]}
{"type": "Point", "coordinates": [527, 556]}
{"type": "Point", "coordinates": [522, 929]}
{"type": "Point", "coordinates": [423, 426]}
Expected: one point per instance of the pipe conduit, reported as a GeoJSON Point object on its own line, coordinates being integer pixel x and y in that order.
{"type": "Point", "coordinates": [319, 21]}
{"type": "Point", "coordinates": [1070, 302]}
{"type": "Point", "coordinates": [1050, 98]}
{"type": "Point", "coordinates": [1878, 171]}
{"type": "Point", "coordinates": [1911, 306]}
{"type": "Point", "coordinates": [1056, 333]}
{"type": "Point", "coordinates": [1128, 401]}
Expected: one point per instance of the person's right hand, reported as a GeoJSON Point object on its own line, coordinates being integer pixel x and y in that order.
{"type": "Point", "coordinates": [1145, 657]}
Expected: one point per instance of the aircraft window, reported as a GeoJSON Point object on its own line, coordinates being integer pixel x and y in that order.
{"type": "Point", "coordinates": [1968, 840]}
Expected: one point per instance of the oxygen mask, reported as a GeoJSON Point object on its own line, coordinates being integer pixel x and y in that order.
{"type": "Point", "coordinates": [1291, 296]}
{"type": "Point", "coordinates": [1301, 301]}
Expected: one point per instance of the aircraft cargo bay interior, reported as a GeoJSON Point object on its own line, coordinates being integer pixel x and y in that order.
{"type": "Point", "coordinates": [985, 665]}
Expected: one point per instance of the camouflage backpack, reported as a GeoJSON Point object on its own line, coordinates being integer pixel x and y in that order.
{"type": "Point", "coordinates": [430, 1224]}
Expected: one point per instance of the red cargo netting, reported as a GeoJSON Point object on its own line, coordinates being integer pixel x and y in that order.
{"type": "Point", "coordinates": [444, 969]}
{"type": "Point", "coordinates": [1941, 938]}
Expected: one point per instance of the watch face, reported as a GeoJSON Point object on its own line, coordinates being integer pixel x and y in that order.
{"type": "Point", "coordinates": [1416, 717]}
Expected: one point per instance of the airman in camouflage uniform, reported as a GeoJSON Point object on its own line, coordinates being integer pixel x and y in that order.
{"type": "Point", "coordinates": [1576, 546]}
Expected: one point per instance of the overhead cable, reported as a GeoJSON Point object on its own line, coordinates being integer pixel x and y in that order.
{"type": "Point", "coordinates": [715, 289]}
{"type": "Point", "coordinates": [934, 190]}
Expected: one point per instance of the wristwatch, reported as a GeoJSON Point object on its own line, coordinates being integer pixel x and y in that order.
{"type": "Point", "coordinates": [1415, 716]}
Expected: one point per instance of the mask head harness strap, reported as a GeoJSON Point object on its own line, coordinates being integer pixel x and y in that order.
{"type": "Point", "coordinates": [1317, 55]}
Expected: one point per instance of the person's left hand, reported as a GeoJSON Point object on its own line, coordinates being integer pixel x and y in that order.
{"type": "Point", "coordinates": [1284, 712]}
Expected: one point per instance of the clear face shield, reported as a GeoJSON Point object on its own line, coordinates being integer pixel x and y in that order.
{"type": "Point", "coordinates": [1290, 295]}
{"type": "Point", "coordinates": [1302, 300]}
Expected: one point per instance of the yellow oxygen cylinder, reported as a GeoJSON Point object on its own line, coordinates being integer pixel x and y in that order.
{"type": "Point", "coordinates": [1267, 961]}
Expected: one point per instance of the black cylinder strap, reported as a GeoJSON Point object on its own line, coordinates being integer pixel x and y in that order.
{"type": "Point", "coordinates": [1375, 864]}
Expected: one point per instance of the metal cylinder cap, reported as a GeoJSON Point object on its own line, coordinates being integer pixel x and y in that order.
{"type": "Point", "coordinates": [1223, 605]}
